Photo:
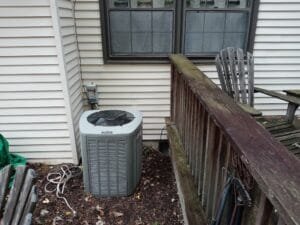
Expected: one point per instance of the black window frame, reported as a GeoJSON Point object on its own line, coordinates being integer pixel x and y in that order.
{"type": "Point", "coordinates": [178, 33]}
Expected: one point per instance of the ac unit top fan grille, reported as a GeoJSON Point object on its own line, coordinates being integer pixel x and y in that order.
{"type": "Point", "coordinates": [110, 118]}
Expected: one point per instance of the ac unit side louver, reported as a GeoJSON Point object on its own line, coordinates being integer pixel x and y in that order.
{"type": "Point", "coordinates": [111, 145]}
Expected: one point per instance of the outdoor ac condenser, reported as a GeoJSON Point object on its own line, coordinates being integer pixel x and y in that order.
{"type": "Point", "coordinates": [111, 145]}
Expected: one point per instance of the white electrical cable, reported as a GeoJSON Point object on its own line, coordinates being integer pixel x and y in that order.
{"type": "Point", "coordinates": [59, 179]}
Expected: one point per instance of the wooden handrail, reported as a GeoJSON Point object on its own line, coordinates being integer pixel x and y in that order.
{"type": "Point", "coordinates": [207, 120]}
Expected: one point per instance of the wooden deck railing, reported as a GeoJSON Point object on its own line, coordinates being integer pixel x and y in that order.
{"type": "Point", "coordinates": [219, 138]}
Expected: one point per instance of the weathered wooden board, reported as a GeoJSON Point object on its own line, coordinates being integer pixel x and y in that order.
{"type": "Point", "coordinates": [21, 198]}
{"type": "Point", "coordinates": [275, 170]}
{"type": "Point", "coordinates": [4, 179]}
{"type": "Point", "coordinates": [191, 203]}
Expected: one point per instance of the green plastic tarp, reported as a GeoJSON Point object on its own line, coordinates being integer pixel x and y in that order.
{"type": "Point", "coordinates": [7, 158]}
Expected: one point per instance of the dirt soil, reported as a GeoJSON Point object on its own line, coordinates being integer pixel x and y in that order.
{"type": "Point", "coordinates": [155, 201]}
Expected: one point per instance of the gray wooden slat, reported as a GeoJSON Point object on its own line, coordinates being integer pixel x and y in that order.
{"type": "Point", "coordinates": [220, 72]}
{"type": "Point", "coordinates": [280, 128]}
{"type": "Point", "coordinates": [27, 220]}
{"type": "Point", "coordinates": [241, 74]}
{"type": "Point", "coordinates": [26, 188]}
{"type": "Point", "coordinates": [4, 179]}
{"type": "Point", "coordinates": [272, 124]}
{"type": "Point", "coordinates": [224, 59]}
{"type": "Point", "coordinates": [233, 73]}
{"type": "Point", "coordinates": [30, 204]}
{"type": "Point", "coordinates": [290, 133]}
{"type": "Point", "coordinates": [287, 98]}
{"type": "Point", "coordinates": [14, 195]}
{"type": "Point", "coordinates": [250, 68]}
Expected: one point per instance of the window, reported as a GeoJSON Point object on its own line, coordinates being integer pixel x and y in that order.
{"type": "Point", "coordinates": [152, 29]}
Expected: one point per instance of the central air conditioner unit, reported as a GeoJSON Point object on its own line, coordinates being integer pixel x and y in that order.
{"type": "Point", "coordinates": [111, 145]}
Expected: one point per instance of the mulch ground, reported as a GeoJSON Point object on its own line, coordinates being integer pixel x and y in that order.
{"type": "Point", "coordinates": [155, 201]}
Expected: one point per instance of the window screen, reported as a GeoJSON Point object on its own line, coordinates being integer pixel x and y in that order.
{"type": "Point", "coordinates": [152, 29]}
{"type": "Point", "coordinates": [212, 25]}
{"type": "Point", "coordinates": [141, 27]}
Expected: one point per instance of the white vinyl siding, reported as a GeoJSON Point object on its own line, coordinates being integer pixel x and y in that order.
{"type": "Point", "coordinates": [277, 51]}
{"type": "Point", "coordinates": [32, 107]}
{"type": "Point", "coordinates": [147, 87]}
{"type": "Point", "coordinates": [72, 63]}
{"type": "Point", "coordinates": [33, 111]}
{"type": "Point", "coordinates": [141, 87]}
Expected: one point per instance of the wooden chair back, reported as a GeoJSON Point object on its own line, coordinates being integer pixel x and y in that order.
{"type": "Point", "coordinates": [236, 74]}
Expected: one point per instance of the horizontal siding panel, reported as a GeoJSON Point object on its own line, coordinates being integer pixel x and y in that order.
{"type": "Point", "coordinates": [48, 157]}
{"type": "Point", "coordinates": [31, 95]}
{"type": "Point", "coordinates": [89, 38]}
{"type": "Point", "coordinates": [142, 95]}
{"type": "Point", "coordinates": [28, 51]}
{"type": "Point", "coordinates": [32, 111]}
{"type": "Point", "coordinates": [277, 74]}
{"type": "Point", "coordinates": [29, 69]}
{"type": "Point", "coordinates": [65, 4]}
{"type": "Point", "coordinates": [132, 89]}
{"type": "Point", "coordinates": [143, 108]}
{"type": "Point", "coordinates": [289, 60]}
{"type": "Point", "coordinates": [279, 7]}
{"type": "Point", "coordinates": [127, 76]}
{"type": "Point", "coordinates": [33, 119]}
{"type": "Point", "coordinates": [280, 67]}
{"type": "Point", "coordinates": [65, 12]}
{"type": "Point", "coordinates": [88, 23]}
{"type": "Point", "coordinates": [279, 23]}
{"type": "Point", "coordinates": [9, 12]}
{"type": "Point", "coordinates": [26, 61]}
{"type": "Point", "coordinates": [34, 127]}
{"type": "Point", "coordinates": [66, 22]}
{"type": "Point", "coordinates": [90, 46]}
{"type": "Point", "coordinates": [36, 134]}
{"type": "Point", "coordinates": [276, 53]}
{"type": "Point", "coordinates": [12, 87]}
{"type": "Point", "coordinates": [42, 148]}
{"type": "Point", "coordinates": [26, 32]}
{"type": "Point", "coordinates": [38, 141]}
{"type": "Point", "coordinates": [129, 68]}
{"type": "Point", "coordinates": [133, 82]}
{"type": "Point", "coordinates": [25, 22]}
{"type": "Point", "coordinates": [92, 61]}
{"type": "Point", "coordinates": [22, 3]}
{"type": "Point", "coordinates": [86, 5]}
{"type": "Point", "coordinates": [95, 53]}
{"type": "Point", "coordinates": [277, 30]}
{"type": "Point", "coordinates": [135, 102]}
{"type": "Point", "coordinates": [30, 78]}
{"type": "Point", "coordinates": [31, 103]}
{"type": "Point", "coordinates": [67, 31]}
{"type": "Point", "coordinates": [88, 30]}
{"type": "Point", "coordinates": [278, 15]}
{"type": "Point", "coordinates": [26, 42]}
{"type": "Point", "coordinates": [278, 46]}
{"type": "Point", "coordinates": [277, 38]}
{"type": "Point", "coordinates": [81, 14]}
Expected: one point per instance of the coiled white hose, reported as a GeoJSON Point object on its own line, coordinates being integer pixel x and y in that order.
{"type": "Point", "coordinates": [60, 179]}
